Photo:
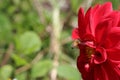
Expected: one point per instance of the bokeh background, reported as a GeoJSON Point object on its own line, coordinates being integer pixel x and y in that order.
{"type": "Point", "coordinates": [35, 38]}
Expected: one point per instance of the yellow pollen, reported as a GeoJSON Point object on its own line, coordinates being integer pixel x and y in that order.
{"type": "Point", "coordinates": [89, 51]}
{"type": "Point", "coordinates": [76, 43]}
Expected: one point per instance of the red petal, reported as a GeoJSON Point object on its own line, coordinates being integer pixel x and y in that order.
{"type": "Point", "coordinates": [87, 74]}
{"type": "Point", "coordinates": [114, 54]}
{"type": "Point", "coordinates": [101, 31]}
{"type": "Point", "coordinates": [116, 66]}
{"type": "Point", "coordinates": [100, 56]}
{"type": "Point", "coordinates": [104, 26]}
{"type": "Point", "coordinates": [80, 17]}
{"type": "Point", "coordinates": [100, 73]}
{"type": "Point", "coordinates": [106, 71]}
{"type": "Point", "coordinates": [95, 8]}
{"type": "Point", "coordinates": [88, 21]}
{"type": "Point", "coordinates": [114, 18]}
{"type": "Point", "coordinates": [91, 12]}
{"type": "Point", "coordinates": [101, 13]}
{"type": "Point", "coordinates": [75, 34]}
{"type": "Point", "coordinates": [81, 23]}
{"type": "Point", "coordinates": [113, 37]}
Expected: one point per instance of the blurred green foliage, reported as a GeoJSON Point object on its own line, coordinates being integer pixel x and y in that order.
{"type": "Point", "coordinates": [26, 29]}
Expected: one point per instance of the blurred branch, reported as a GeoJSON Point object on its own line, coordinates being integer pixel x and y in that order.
{"type": "Point", "coordinates": [37, 5]}
{"type": "Point", "coordinates": [55, 46]}
{"type": "Point", "coordinates": [68, 18]}
{"type": "Point", "coordinates": [28, 66]}
{"type": "Point", "coordinates": [7, 54]}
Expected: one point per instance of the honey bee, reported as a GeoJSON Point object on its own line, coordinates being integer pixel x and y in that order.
{"type": "Point", "coordinates": [75, 43]}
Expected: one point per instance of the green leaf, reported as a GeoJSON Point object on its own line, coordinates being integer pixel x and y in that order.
{"type": "Point", "coordinates": [25, 6]}
{"type": "Point", "coordinates": [115, 3]}
{"type": "Point", "coordinates": [36, 25]}
{"type": "Point", "coordinates": [21, 76]}
{"type": "Point", "coordinates": [41, 68]}
{"type": "Point", "coordinates": [5, 29]}
{"type": "Point", "coordinates": [75, 4]}
{"type": "Point", "coordinates": [16, 2]}
{"type": "Point", "coordinates": [18, 60]}
{"type": "Point", "coordinates": [68, 72]}
{"type": "Point", "coordinates": [28, 42]}
{"type": "Point", "coordinates": [5, 72]}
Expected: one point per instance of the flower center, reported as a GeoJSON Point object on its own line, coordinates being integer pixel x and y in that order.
{"type": "Point", "coordinates": [89, 51]}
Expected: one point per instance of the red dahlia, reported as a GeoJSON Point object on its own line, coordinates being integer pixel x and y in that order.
{"type": "Point", "coordinates": [98, 34]}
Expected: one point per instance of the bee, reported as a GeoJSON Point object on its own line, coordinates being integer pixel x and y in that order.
{"type": "Point", "coordinates": [75, 43]}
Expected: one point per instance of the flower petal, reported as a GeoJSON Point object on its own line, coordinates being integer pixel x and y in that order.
{"type": "Point", "coordinates": [116, 66]}
{"type": "Point", "coordinates": [86, 72]}
{"type": "Point", "coordinates": [81, 23]}
{"type": "Point", "coordinates": [75, 34]}
{"type": "Point", "coordinates": [114, 54]}
{"type": "Point", "coordinates": [111, 73]}
{"type": "Point", "coordinates": [101, 31]}
{"type": "Point", "coordinates": [100, 56]}
{"type": "Point", "coordinates": [100, 73]}
{"type": "Point", "coordinates": [114, 18]}
{"type": "Point", "coordinates": [106, 72]}
{"type": "Point", "coordinates": [88, 21]}
{"type": "Point", "coordinates": [95, 8]}
{"type": "Point", "coordinates": [113, 37]}
{"type": "Point", "coordinates": [100, 14]}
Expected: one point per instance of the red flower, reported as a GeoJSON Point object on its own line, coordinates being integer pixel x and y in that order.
{"type": "Point", "coordinates": [99, 35]}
